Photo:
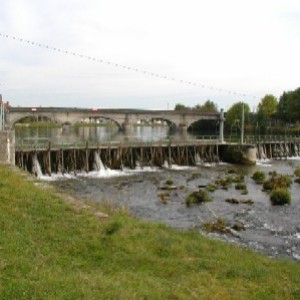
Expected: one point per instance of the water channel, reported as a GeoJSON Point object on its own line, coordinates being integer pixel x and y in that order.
{"type": "Point", "coordinates": [274, 230]}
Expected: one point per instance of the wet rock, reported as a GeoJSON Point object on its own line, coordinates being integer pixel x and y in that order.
{"type": "Point", "coordinates": [164, 197]}
{"type": "Point", "coordinates": [168, 187]}
{"type": "Point", "coordinates": [236, 201]}
{"type": "Point", "coordinates": [238, 226]}
{"type": "Point", "coordinates": [232, 201]}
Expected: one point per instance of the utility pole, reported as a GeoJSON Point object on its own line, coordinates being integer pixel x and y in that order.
{"type": "Point", "coordinates": [242, 125]}
{"type": "Point", "coordinates": [1, 113]}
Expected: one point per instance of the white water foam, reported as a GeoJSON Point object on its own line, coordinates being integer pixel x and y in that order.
{"type": "Point", "coordinates": [264, 163]}
{"type": "Point", "coordinates": [36, 168]}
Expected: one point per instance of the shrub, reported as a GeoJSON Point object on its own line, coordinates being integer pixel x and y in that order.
{"type": "Point", "coordinates": [197, 197]}
{"type": "Point", "coordinates": [240, 186]}
{"type": "Point", "coordinates": [238, 179]}
{"type": "Point", "coordinates": [297, 172]}
{"type": "Point", "coordinates": [169, 182]}
{"type": "Point", "coordinates": [211, 187]}
{"type": "Point", "coordinates": [278, 182]}
{"type": "Point", "coordinates": [259, 177]}
{"type": "Point", "coordinates": [220, 225]}
{"type": "Point", "coordinates": [280, 197]}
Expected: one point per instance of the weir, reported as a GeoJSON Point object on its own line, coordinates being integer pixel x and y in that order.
{"type": "Point", "coordinates": [278, 149]}
{"type": "Point", "coordinates": [85, 157]}
{"type": "Point", "coordinates": [79, 159]}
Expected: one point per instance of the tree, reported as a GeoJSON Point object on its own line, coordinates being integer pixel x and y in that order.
{"type": "Point", "coordinates": [289, 106]}
{"type": "Point", "coordinates": [234, 114]}
{"type": "Point", "coordinates": [180, 106]}
{"type": "Point", "coordinates": [267, 108]}
{"type": "Point", "coordinates": [208, 106]}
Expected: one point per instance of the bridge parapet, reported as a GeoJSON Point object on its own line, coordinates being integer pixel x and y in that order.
{"type": "Point", "coordinates": [121, 117]}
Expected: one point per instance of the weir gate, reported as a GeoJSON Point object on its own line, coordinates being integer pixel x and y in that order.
{"type": "Point", "coordinates": [86, 157]}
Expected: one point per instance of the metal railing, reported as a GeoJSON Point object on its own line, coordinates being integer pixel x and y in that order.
{"type": "Point", "coordinates": [38, 143]}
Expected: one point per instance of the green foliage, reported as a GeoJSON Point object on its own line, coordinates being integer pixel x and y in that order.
{"type": "Point", "coordinates": [211, 187]}
{"type": "Point", "coordinates": [259, 177]}
{"type": "Point", "coordinates": [240, 186]}
{"type": "Point", "coordinates": [277, 182]}
{"type": "Point", "coordinates": [197, 198]}
{"type": "Point", "coordinates": [220, 225]}
{"type": "Point", "coordinates": [51, 249]}
{"type": "Point", "coordinates": [169, 181]}
{"type": "Point", "coordinates": [180, 106]}
{"type": "Point", "coordinates": [297, 172]}
{"type": "Point", "coordinates": [289, 106]}
{"type": "Point", "coordinates": [280, 196]}
{"type": "Point", "coordinates": [208, 106]}
{"type": "Point", "coordinates": [234, 114]}
{"type": "Point", "coordinates": [267, 108]}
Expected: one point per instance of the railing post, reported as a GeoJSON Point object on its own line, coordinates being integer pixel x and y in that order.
{"type": "Point", "coordinates": [222, 119]}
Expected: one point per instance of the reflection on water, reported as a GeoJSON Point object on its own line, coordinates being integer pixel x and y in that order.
{"type": "Point", "coordinates": [96, 134]}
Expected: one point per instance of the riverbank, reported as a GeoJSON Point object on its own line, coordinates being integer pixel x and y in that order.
{"type": "Point", "coordinates": [52, 248]}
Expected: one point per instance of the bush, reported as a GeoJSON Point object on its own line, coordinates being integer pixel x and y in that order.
{"type": "Point", "coordinates": [280, 197]}
{"type": "Point", "coordinates": [197, 197]}
{"type": "Point", "coordinates": [297, 172]}
{"type": "Point", "coordinates": [259, 177]}
{"type": "Point", "coordinates": [220, 225]}
{"type": "Point", "coordinates": [169, 182]}
{"type": "Point", "coordinates": [211, 187]}
{"type": "Point", "coordinates": [278, 182]}
{"type": "Point", "coordinates": [240, 186]}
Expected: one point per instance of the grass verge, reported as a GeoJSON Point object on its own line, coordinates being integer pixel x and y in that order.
{"type": "Point", "coordinates": [53, 249]}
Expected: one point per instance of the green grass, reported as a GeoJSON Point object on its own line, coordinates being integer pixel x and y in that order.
{"type": "Point", "coordinates": [259, 177]}
{"type": "Point", "coordinates": [52, 249]}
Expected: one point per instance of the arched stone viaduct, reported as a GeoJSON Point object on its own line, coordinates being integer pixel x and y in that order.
{"type": "Point", "coordinates": [124, 118]}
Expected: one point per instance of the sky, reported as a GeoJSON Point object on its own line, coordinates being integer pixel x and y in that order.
{"type": "Point", "coordinates": [228, 51]}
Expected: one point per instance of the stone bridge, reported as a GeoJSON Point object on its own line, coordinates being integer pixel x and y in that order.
{"type": "Point", "coordinates": [124, 118]}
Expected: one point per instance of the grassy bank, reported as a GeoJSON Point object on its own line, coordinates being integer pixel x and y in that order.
{"type": "Point", "coordinates": [53, 249]}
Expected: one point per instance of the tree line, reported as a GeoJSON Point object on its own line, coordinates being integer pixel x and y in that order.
{"type": "Point", "coordinates": [272, 116]}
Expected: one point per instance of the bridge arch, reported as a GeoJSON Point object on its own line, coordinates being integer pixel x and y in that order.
{"type": "Point", "coordinates": [205, 127]}
{"type": "Point", "coordinates": [98, 119]}
{"type": "Point", "coordinates": [31, 117]}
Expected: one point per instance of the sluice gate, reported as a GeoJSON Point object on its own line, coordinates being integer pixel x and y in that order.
{"type": "Point", "coordinates": [76, 159]}
{"type": "Point", "coordinates": [278, 150]}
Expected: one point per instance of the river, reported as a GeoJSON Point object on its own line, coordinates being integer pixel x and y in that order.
{"type": "Point", "coordinates": [274, 230]}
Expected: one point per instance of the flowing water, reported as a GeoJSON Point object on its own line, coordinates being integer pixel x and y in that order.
{"type": "Point", "coordinates": [274, 230]}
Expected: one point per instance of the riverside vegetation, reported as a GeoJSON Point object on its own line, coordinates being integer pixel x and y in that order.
{"type": "Point", "coordinates": [51, 248]}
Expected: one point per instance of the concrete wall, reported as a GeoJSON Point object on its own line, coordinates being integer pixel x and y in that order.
{"type": "Point", "coordinates": [7, 147]}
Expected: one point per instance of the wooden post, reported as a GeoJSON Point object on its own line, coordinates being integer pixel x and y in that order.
{"type": "Point", "coordinates": [74, 161]}
{"type": "Point", "coordinates": [169, 155]}
{"type": "Point", "coordinates": [49, 160]}
{"type": "Point", "coordinates": [142, 157]}
{"type": "Point", "coordinates": [86, 157]}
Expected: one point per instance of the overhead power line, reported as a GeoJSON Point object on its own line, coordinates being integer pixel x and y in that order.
{"type": "Point", "coordinates": [124, 67]}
